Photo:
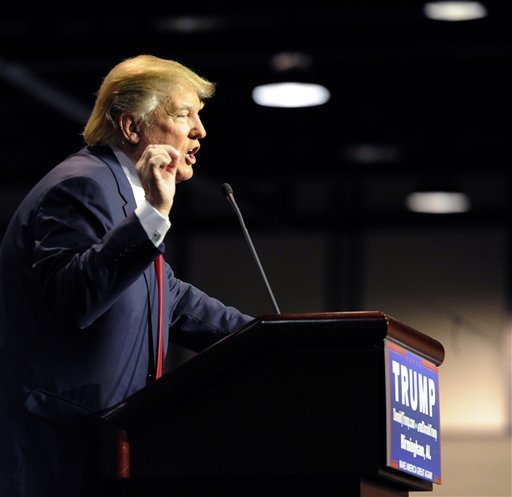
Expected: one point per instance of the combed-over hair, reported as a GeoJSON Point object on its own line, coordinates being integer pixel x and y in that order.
{"type": "Point", "coordinates": [138, 85]}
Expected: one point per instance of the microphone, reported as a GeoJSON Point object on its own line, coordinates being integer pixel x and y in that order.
{"type": "Point", "coordinates": [228, 193]}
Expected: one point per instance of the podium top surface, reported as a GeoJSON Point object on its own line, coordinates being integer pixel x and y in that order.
{"type": "Point", "coordinates": [369, 324]}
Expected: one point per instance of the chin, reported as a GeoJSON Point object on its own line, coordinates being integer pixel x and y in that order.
{"type": "Point", "coordinates": [184, 175]}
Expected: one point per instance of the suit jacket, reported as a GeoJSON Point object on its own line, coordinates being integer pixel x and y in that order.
{"type": "Point", "coordinates": [78, 316]}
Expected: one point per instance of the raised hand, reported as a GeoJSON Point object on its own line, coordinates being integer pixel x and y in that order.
{"type": "Point", "coordinates": [157, 169]}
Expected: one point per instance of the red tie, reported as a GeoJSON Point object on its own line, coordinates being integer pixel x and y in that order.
{"type": "Point", "coordinates": [159, 347]}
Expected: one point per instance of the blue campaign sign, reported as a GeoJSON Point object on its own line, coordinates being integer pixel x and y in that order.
{"type": "Point", "coordinates": [412, 410]}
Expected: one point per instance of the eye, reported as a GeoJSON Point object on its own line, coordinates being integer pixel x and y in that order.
{"type": "Point", "coordinates": [182, 114]}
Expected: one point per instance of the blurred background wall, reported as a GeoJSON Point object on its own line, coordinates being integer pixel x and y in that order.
{"type": "Point", "coordinates": [450, 284]}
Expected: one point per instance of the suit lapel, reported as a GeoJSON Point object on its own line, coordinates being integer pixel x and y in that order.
{"type": "Point", "coordinates": [123, 185]}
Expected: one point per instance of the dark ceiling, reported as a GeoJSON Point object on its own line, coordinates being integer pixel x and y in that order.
{"type": "Point", "coordinates": [414, 101]}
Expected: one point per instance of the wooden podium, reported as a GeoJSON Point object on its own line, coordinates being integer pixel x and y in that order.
{"type": "Point", "coordinates": [290, 405]}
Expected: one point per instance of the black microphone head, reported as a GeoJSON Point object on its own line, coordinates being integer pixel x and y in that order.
{"type": "Point", "coordinates": [226, 189]}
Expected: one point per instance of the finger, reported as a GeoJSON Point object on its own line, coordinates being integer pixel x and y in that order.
{"type": "Point", "coordinates": [164, 160]}
{"type": "Point", "coordinates": [154, 161]}
{"type": "Point", "coordinates": [158, 149]}
{"type": "Point", "coordinates": [173, 153]}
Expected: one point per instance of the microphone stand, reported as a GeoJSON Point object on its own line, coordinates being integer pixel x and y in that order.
{"type": "Point", "coordinates": [228, 192]}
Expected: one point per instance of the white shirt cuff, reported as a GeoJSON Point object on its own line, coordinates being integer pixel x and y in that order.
{"type": "Point", "coordinates": [154, 223]}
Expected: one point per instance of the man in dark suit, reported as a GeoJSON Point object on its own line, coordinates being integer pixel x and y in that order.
{"type": "Point", "coordinates": [78, 292]}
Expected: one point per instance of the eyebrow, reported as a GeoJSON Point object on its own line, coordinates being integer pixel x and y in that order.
{"type": "Point", "coordinates": [190, 106]}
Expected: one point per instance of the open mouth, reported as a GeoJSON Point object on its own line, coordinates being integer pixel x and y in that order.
{"type": "Point", "coordinates": [190, 156]}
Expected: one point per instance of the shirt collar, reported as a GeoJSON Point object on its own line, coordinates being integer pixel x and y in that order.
{"type": "Point", "coordinates": [131, 173]}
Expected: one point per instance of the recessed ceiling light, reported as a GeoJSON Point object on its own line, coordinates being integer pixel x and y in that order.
{"type": "Point", "coordinates": [190, 24]}
{"type": "Point", "coordinates": [291, 94]}
{"type": "Point", "coordinates": [372, 153]}
{"type": "Point", "coordinates": [454, 11]}
{"type": "Point", "coordinates": [438, 202]}
{"type": "Point", "coordinates": [292, 82]}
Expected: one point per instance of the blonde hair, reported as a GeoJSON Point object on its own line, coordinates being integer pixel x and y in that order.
{"type": "Point", "coordinates": [138, 85]}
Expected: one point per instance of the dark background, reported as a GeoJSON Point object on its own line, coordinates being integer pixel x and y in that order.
{"type": "Point", "coordinates": [414, 102]}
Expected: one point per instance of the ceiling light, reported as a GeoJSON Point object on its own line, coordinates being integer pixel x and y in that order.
{"type": "Point", "coordinates": [190, 24]}
{"type": "Point", "coordinates": [454, 11]}
{"type": "Point", "coordinates": [291, 83]}
{"type": "Point", "coordinates": [291, 94]}
{"type": "Point", "coordinates": [438, 202]}
{"type": "Point", "coordinates": [372, 153]}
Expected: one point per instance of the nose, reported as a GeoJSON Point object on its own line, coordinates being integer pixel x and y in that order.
{"type": "Point", "coordinates": [198, 131]}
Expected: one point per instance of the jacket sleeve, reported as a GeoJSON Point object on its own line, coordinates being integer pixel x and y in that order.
{"type": "Point", "coordinates": [83, 259]}
{"type": "Point", "coordinates": [199, 320]}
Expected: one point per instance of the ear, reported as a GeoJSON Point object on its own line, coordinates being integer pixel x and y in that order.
{"type": "Point", "coordinates": [129, 129]}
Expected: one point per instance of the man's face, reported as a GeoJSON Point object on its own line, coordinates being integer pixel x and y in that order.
{"type": "Point", "coordinates": [176, 122]}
